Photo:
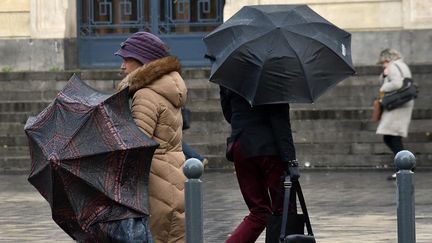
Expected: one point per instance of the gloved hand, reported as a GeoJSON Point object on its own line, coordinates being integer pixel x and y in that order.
{"type": "Point", "coordinates": [293, 170]}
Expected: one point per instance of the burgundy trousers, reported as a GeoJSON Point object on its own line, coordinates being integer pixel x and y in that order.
{"type": "Point", "coordinates": [260, 180]}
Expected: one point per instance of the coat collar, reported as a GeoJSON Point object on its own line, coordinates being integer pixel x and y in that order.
{"type": "Point", "coordinates": [149, 72]}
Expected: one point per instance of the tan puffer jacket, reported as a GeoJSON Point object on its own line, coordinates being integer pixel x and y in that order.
{"type": "Point", "coordinates": [158, 93]}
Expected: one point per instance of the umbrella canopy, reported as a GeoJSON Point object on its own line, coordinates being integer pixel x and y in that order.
{"type": "Point", "coordinates": [279, 54]}
{"type": "Point", "coordinates": [88, 158]}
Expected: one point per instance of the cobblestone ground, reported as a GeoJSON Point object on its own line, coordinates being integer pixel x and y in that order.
{"type": "Point", "coordinates": [345, 207]}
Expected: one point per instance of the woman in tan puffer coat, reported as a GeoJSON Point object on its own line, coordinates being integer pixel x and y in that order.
{"type": "Point", "coordinates": [158, 92]}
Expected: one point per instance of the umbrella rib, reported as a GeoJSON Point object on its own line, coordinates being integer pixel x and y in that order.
{"type": "Point", "coordinates": [293, 32]}
{"type": "Point", "coordinates": [318, 23]}
{"type": "Point", "coordinates": [104, 193]}
{"type": "Point", "coordinates": [301, 65]}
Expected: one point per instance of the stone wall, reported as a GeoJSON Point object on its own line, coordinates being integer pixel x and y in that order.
{"type": "Point", "coordinates": [334, 132]}
{"type": "Point", "coordinates": [14, 19]}
{"type": "Point", "coordinates": [36, 34]}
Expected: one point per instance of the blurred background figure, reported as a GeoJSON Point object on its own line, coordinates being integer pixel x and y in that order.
{"type": "Point", "coordinates": [189, 152]}
{"type": "Point", "coordinates": [394, 123]}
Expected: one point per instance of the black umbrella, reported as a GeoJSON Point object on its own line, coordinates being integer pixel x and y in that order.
{"type": "Point", "coordinates": [279, 54]}
{"type": "Point", "coordinates": [89, 160]}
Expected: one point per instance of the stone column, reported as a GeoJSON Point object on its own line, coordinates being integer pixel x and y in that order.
{"type": "Point", "coordinates": [53, 19]}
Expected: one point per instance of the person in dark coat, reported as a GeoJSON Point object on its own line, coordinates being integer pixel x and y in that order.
{"type": "Point", "coordinates": [261, 147]}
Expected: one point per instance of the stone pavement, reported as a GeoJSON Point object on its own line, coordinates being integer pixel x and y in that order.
{"type": "Point", "coordinates": [345, 207]}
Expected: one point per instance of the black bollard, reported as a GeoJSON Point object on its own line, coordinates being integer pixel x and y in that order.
{"type": "Point", "coordinates": [405, 162]}
{"type": "Point", "coordinates": [193, 169]}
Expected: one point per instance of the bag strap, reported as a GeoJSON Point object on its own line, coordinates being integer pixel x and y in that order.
{"type": "Point", "coordinates": [294, 187]}
{"type": "Point", "coordinates": [406, 82]}
{"type": "Point", "coordinates": [303, 207]}
{"type": "Point", "coordinates": [287, 185]}
{"type": "Point", "coordinates": [400, 70]}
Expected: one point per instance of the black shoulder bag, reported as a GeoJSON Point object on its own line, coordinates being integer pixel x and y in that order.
{"type": "Point", "coordinates": [294, 187]}
{"type": "Point", "coordinates": [186, 118]}
{"type": "Point", "coordinates": [395, 99]}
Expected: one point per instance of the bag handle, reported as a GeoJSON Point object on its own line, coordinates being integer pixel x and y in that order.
{"type": "Point", "coordinates": [287, 185]}
{"type": "Point", "coordinates": [404, 79]}
{"type": "Point", "coordinates": [303, 207]}
{"type": "Point", "coordinates": [294, 186]}
{"type": "Point", "coordinates": [400, 70]}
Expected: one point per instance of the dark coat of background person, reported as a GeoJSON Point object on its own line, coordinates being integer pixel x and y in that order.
{"type": "Point", "coordinates": [262, 130]}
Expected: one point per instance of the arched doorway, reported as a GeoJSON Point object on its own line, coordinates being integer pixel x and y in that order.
{"type": "Point", "coordinates": [104, 24]}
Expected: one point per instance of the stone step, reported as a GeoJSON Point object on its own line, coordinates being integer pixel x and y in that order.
{"type": "Point", "coordinates": [313, 153]}
{"type": "Point", "coordinates": [345, 94]}
{"type": "Point", "coordinates": [207, 108]}
{"type": "Point", "coordinates": [15, 151]}
{"type": "Point", "coordinates": [310, 114]}
{"type": "Point", "coordinates": [213, 126]}
{"type": "Point", "coordinates": [16, 117]}
{"type": "Point", "coordinates": [316, 136]}
{"type": "Point", "coordinates": [341, 96]}
{"type": "Point", "coordinates": [33, 107]}
{"type": "Point", "coordinates": [333, 132]}
{"type": "Point", "coordinates": [15, 164]}
{"type": "Point", "coordinates": [306, 161]}
{"type": "Point", "coordinates": [334, 161]}
{"type": "Point", "coordinates": [335, 147]}
{"type": "Point", "coordinates": [356, 161]}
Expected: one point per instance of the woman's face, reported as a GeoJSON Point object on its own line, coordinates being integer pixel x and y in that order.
{"type": "Point", "coordinates": [385, 64]}
{"type": "Point", "coordinates": [129, 65]}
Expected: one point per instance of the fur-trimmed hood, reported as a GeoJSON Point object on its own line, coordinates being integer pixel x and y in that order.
{"type": "Point", "coordinates": [162, 76]}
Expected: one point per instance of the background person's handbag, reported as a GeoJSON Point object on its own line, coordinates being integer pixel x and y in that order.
{"type": "Point", "coordinates": [295, 238]}
{"type": "Point", "coordinates": [377, 111]}
{"type": "Point", "coordinates": [186, 118]}
{"type": "Point", "coordinates": [395, 99]}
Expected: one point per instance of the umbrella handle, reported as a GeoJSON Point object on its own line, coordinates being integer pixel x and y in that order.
{"type": "Point", "coordinates": [293, 170]}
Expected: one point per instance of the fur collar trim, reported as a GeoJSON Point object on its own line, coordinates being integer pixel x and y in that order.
{"type": "Point", "coordinates": [149, 72]}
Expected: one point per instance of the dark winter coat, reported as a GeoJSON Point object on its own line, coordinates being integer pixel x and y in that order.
{"type": "Point", "coordinates": [262, 130]}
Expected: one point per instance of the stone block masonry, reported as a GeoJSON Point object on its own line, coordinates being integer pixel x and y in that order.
{"type": "Point", "coordinates": [334, 132]}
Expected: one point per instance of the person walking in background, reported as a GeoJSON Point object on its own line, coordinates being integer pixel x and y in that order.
{"type": "Point", "coordinates": [189, 153]}
{"type": "Point", "coordinates": [158, 92]}
{"type": "Point", "coordinates": [261, 147]}
{"type": "Point", "coordinates": [394, 124]}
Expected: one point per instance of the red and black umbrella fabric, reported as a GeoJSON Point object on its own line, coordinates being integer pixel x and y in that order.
{"type": "Point", "coordinates": [89, 160]}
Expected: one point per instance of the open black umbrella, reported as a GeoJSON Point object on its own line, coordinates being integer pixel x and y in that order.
{"type": "Point", "coordinates": [279, 54]}
{"type": "Point", "coordinates": [89, 160]}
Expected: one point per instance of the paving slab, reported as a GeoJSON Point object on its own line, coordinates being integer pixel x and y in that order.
{"type": "Point", "coordinates": [345, 206]}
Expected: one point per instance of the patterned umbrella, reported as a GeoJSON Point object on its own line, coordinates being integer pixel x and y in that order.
{"type": "Point", "coordinates": [89, 160]}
